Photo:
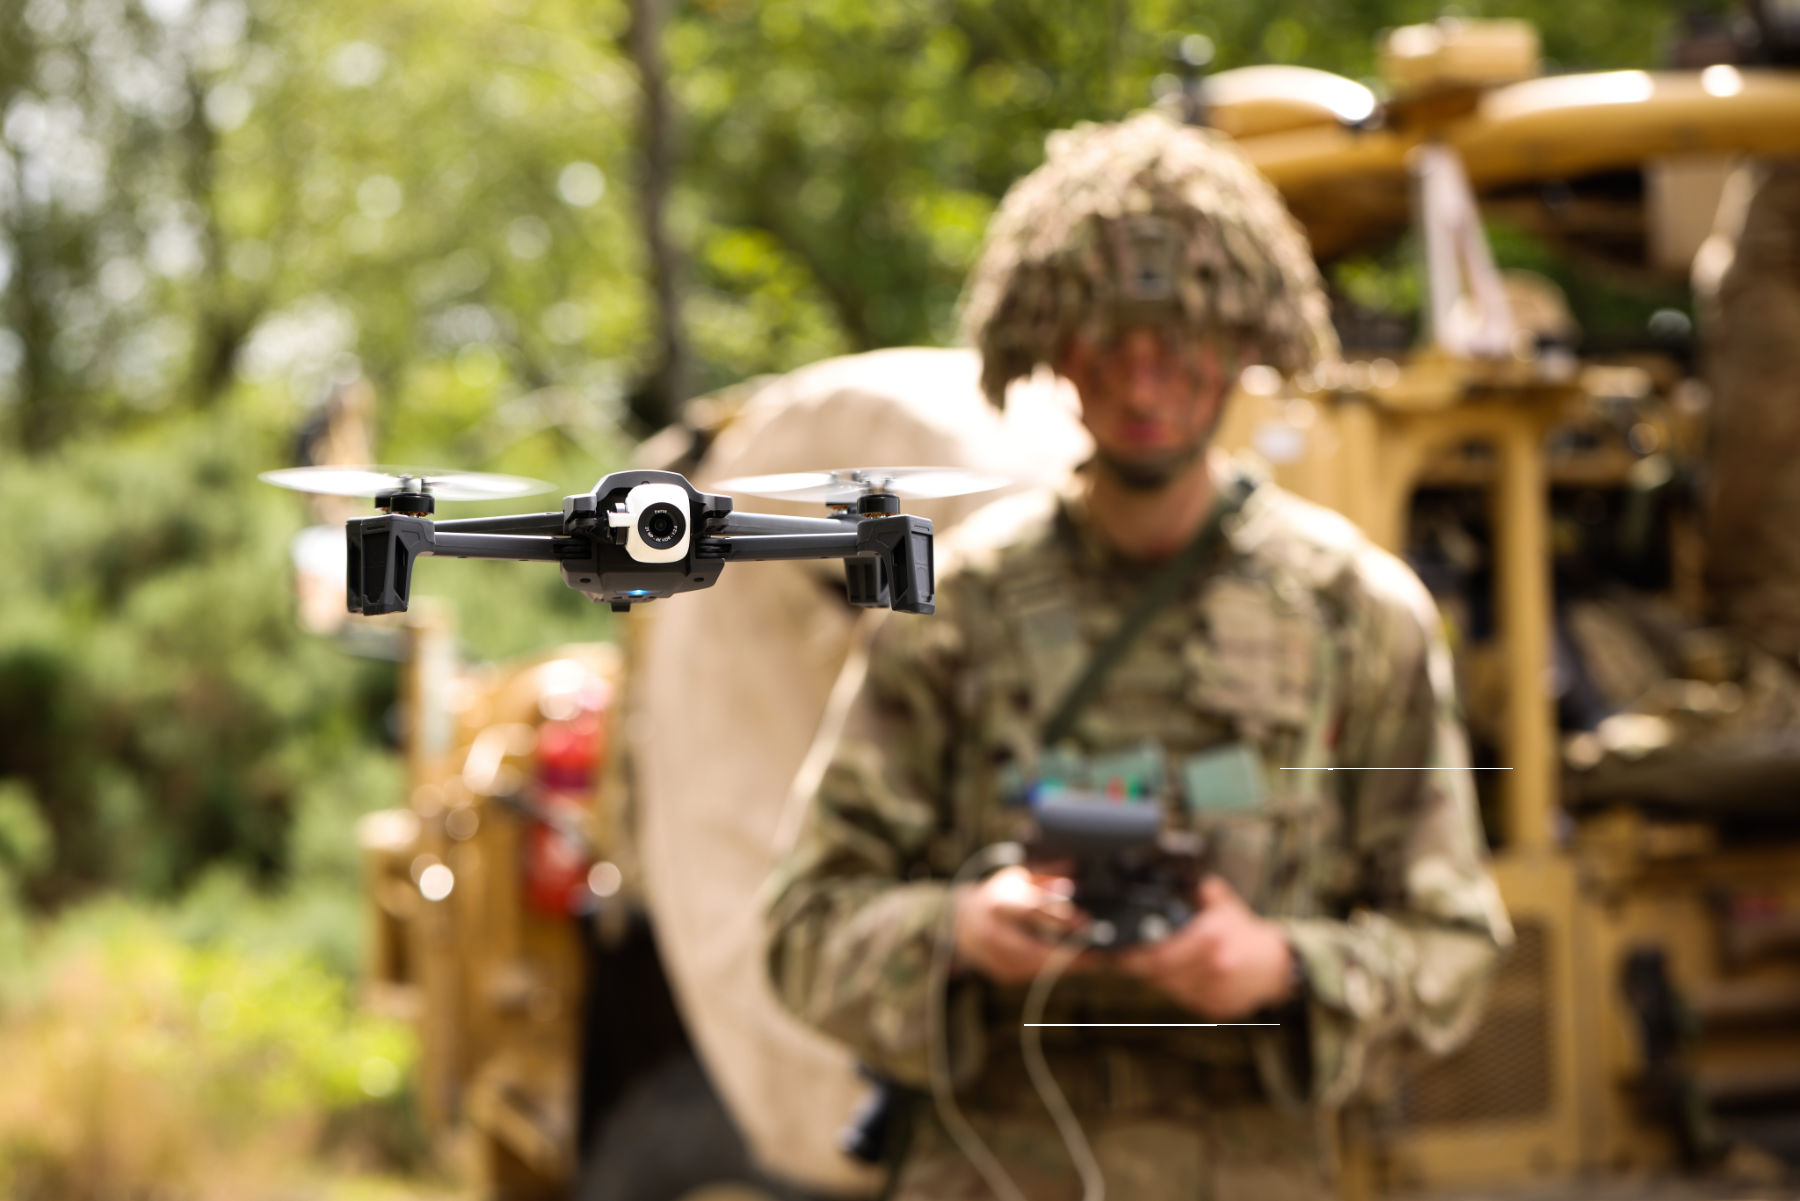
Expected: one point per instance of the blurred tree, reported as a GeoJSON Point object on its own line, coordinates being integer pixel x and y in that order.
{"type": "Point", "coordinates": [155, 693]}
{"type": "Point", "coordinates": [844, 157]}
{"type": "Point", "coordinates": [191, 191]}
{"type": "Point", "coordinates": [653, 404]}
{"type": "Point", "coordinates": [212, 212]}
{"type": "Point", "coordinates": [209, 215]}
{"type": "Point", "coordinates": [194, 191]}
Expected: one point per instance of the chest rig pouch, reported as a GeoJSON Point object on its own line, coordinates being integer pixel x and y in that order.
{"type": "Point", "coordinates": [1268, 669]}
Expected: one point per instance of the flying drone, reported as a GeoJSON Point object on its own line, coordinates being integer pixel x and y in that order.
{"type": "Point", "coordinates": [643, 535]}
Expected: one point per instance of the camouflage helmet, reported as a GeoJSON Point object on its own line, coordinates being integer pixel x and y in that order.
{"type": "Point", "coordinates": [1144, 221]}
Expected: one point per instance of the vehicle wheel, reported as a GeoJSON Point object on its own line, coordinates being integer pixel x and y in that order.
{"type": "Point", "coordinates": [670, 1139]}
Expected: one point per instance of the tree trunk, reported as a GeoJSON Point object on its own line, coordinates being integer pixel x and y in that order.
{"type": "Point", "coordinates": [656, 400]}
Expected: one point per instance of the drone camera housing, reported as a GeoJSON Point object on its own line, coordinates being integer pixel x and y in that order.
{"type": "Point", "coordinates": [656, 521]}
{"type": "Point", "coordinates": [637, 537]}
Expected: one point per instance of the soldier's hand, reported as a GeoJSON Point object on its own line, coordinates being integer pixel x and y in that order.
{"type": "Point", "coordinates": [1006, 925]}
{"type": "Point", "coordinates": [1225, 964]}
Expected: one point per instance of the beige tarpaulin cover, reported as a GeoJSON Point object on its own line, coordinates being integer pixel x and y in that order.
{"type": "Point", "coordinates": [727, 689]}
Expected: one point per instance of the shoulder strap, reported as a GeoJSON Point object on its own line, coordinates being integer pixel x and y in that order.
{"type": "Point", "coordinates": [1163, 587]}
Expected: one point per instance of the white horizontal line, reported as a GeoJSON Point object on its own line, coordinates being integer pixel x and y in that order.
{"type": "Point", "coordinates": [1156, 1025]}
{"type": "Point", "coordinates": [1393, 769]}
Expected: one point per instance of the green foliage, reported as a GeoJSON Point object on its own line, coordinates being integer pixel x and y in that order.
{"type": "Point", "coordinates": [447, 193]}
{"type": "Point", "coordinates": [159, 705]}
{"type": "Point", "coordinates": [1613, 306]}
{"type": "Point", "coordinates": [213, 212]}
{"type": "Point", "coordinates": [844, 156]}
{"type": "Point", "coordinates": [145, 1061]}
{"type": "Point", "coordinates": [218, 191]}
{"type": "Point", "coordinates": [25, 850]}
{"type": "Point", "coordinates": [209, 214]}
{"type": "Point", "coordinates": [154, 688]}
{"type": "Point", "coordinates": [24, 838]}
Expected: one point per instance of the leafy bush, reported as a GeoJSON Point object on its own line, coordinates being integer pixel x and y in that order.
{"type": "Point", "coordinates": [157, 700]}
{"type": "Point", "coordinates": [145, 1063]}
{"type": "Point", "coordinates": [160, 708]}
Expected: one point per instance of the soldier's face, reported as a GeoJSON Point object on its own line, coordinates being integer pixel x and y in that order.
{"type": "Point", "coordinates": [1151, 404]}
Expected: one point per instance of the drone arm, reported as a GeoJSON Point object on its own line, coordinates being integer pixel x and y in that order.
{"type": "Point", "coordinates": [837, 543]}
{"type": "Point", "coordinates": [382, 550]}
{"type": "Point", "coordinates": [738, 524]}
{"type": "Point", "coordinates": [516, 523]}
{"type": "Point", "coordinates": [525, 548]}
{"type": "Point", "coordinates": [901, 545]}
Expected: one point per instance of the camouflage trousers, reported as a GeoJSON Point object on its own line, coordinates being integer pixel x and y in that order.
{"type": "Point", "coordinates": [1174, 1132]}
{"type": "Point", "coordinates": [1228, 1155]}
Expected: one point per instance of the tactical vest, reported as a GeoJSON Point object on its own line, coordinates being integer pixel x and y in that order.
{"type": "Point", "coordinates": [1237, 683]}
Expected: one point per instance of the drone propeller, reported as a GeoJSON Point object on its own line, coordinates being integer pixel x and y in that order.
{"type": "Point", "coordinates": [435, 482]}
{"type": "Point", "coordinates": [848, 485]}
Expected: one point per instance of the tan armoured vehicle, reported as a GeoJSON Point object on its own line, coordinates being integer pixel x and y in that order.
{"type": "Point", "coordinates": [589, 982]}
{"type": "Point", "coordinates": [1642, 797]}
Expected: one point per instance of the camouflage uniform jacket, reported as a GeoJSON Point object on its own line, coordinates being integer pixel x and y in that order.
{"type": "Point", "coordinates": [1298, 638]}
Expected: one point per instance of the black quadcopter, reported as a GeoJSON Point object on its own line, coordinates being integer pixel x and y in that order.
{"type": "Point", "coordinates": [644, 535]}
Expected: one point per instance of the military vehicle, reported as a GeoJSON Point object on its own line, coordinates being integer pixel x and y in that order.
{"type": "Point", "coordinates": [586, 948]}
{"type": "Point", "coordinates": [1647, 1017]}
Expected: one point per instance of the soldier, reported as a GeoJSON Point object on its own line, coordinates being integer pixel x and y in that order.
{"type": "Point", "coordinates": [1146, 263]}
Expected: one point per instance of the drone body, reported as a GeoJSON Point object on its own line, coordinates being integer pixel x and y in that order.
{"type": "Point", "coordinates": [644, 535]}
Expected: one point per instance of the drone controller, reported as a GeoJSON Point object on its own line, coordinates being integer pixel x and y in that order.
{"type": "Point", "coordinates": [1133, 877]}
{"type": "Point", "coordinates": [1102, 821]}
{"type": "Point", "coordinates": [644, 535]}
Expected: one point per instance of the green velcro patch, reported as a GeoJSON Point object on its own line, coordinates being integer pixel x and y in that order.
{"type": "Point", "coordinates": [1227, 779]}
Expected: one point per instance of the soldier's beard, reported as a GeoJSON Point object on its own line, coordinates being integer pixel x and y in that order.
{"type": "Point", "coordinates": [1150, 473]}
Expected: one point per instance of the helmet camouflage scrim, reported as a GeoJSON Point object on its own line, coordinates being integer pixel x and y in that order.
{"type": "Point", "coordinates": [1143, 222]}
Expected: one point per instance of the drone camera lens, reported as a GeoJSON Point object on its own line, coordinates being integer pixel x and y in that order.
{"type": "Point", "coordinates": [662, 525]}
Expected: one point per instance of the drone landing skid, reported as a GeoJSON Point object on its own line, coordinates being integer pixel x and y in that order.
{"type": "Point", "coordinates": [382, 550]}
{"type": "Point", "coordinates": [887, 558]}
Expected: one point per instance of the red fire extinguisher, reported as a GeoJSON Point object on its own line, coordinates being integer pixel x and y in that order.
{"type": "Point", "coordinates": [558, 857]}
